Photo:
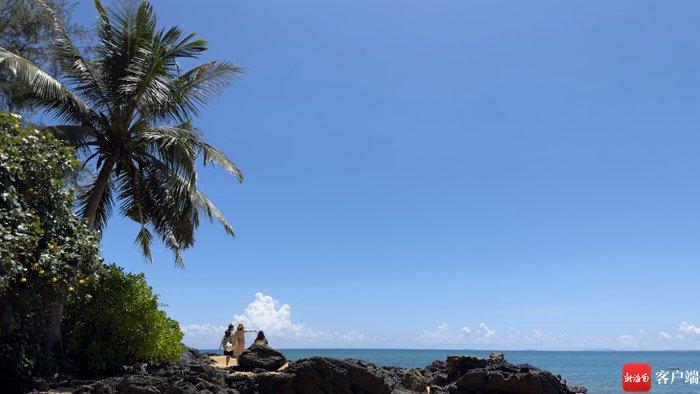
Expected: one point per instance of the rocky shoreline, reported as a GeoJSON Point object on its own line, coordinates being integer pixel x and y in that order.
{"type": "Point", "coordinates": [261, 373]}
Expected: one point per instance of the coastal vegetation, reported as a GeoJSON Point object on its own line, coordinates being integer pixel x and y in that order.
{"type": "Point", "coordinates": [51, 261]}
{"type": "Point", "coordinates": [46, 251]}
{"type": "Point", "coordinates": [115, 320]}
{"type": "Point", "coordinates": [122, 111]}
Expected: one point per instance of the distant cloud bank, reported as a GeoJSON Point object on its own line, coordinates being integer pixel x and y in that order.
{"type": "Point", "coordinates": [486, 338]}
{"type": "Point", "coordinates": [266, 313]}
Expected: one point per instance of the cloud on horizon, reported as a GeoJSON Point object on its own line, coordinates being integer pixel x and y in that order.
{"type": "Point", "coordinates": [442, 334]}
{"type": "Point", "coordinates": [633, 341]}
{"type": "Point", "coordinates": [485, 337]}
{"type": "Point", "coordinates": [267, 314]}
{"type": "Point", "coordinates": [690, 330]}
{"type": "Point", "coordinates": [202, 336]}
{"type": "Point", "coordinates": [485, 334]}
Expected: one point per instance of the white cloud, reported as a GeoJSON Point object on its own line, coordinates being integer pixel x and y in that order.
{"type": "Point", "coordinates": [265, 313]}
{"type": "Point", "coordinates": [202, 336]}
{"type": "Point", "coordinates": [689, 329]}
{"type": "Point", "coordinates": [632, 341]}
{"type": "Point", "coordinates": [485, 333]}
{"type": "Point", "coordinates": [513, 334]}
{"type": "Point", "coordinates": [595, 342]}
{"type": "Point", "coordinates": [351, 336]}
{"type": "Point", "coordinates": [626, 340]}
{"type": "Point", "coordinates": [441, 333]}
{"type": "Point", "coordinates": [539, 339]}
{"type": "Point", "coordinates": [517, 338]}
{"type": "Point", "coordinates": [485, 336]}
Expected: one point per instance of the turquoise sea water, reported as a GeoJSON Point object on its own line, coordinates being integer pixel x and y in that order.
{"type": "Point", "coordinates": [599, 371]}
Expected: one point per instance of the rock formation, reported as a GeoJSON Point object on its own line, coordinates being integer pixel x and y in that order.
{"type": "Point", "coordinates": [261, 356]}
{"type": "Point", "coordinates": [458, 374]}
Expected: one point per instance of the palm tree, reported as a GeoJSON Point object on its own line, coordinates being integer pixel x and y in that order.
{"type": "Point", "coordinates": [128, 110]}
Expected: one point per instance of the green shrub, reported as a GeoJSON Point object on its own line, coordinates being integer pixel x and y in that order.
{"type": "Point", "coordinates": [115, 321]}
{"type": "Point", "coordinates": [46, 251]}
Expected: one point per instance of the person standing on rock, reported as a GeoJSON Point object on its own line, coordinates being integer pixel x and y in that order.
{"type": "Point", "coordinates": [239, 336]}
{"type": "Point", "coordinates": [228, 343]}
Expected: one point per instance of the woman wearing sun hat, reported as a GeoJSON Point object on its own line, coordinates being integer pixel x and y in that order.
{"type": "Point", "coordinates": [240, 339]}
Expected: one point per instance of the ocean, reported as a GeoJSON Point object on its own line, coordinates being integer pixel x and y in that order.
{"type": "Point", "coordinates": [598, 371]}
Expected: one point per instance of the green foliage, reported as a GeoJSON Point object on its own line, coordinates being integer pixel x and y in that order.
{"type": "Point", "coordinates": [46, 251]}
{"type": "Point", "coordinates": [44, 246]}
{"type": "Point", "coordinates": [116, 321]}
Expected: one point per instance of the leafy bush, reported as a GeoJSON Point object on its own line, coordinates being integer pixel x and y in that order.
{"type": "Point", "coordinates": [46, 251]}
{"type": "Point", "coordinates": [115, 321]}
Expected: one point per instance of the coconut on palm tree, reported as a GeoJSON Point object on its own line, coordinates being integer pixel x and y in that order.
{"type": "Point", "coordinates": [128, 110]}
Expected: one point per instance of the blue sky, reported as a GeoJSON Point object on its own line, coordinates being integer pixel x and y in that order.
{"type": "Point", "coordinates": [449, 174]}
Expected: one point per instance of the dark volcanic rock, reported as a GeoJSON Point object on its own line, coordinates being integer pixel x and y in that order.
{"type": "Point", "coordinates": [191, 374]}
{"type": "Point", "coordinates": [508, 381]}
{"type": "Point", "coordinates": [261, 356]}
{"type": "Point", "coordinates": [463, 374]}
{"type": "Point", "coordinates": [436, 374]}
{"type": "Point", "coordinates": [321, 375]}
{"type": "Point", "coordinates": [266, 382]}
{"type": "Point", "coordinates": [459, 374]}
{"type": "Point", "coordinates": [414, 380]}
{"type": "Point", "coordinates": [459, 365]}
{"type": "Point", "coordinates": [190, 355]}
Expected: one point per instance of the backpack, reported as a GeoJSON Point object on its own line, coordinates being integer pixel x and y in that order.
{"type": "Point", "coordinates": [231, 342]}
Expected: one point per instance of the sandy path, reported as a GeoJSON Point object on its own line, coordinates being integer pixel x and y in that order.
{"type": "Point", "coordinates": [220, 361]}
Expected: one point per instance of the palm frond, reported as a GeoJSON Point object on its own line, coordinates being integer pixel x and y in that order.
{"type": "Point", "coordinates": [189, 194]}
{"type": "Point", "coordinates": [117, 45]}
{"type": "Point", "coordinates": [81, 73]}
{"type": "Point", "coordinates": [212, 212]}
{"type": "Point", "coordinates": [187, 47]}
{"type": "Point", "coordinates": [172, 244]}
{"type": "Point", "coordinates": [178, 146]}
{"type": "Point", "coordinates": [144, 239]}
{"type": "Point", "coordinates": [46, 91]}
{"type": "Point", "coordinates": [80, 137]}
{"type": "Point", "coordinates": [146, 199]}
{"type": "Point", "coordinates": [213, 155]}
{"type": "Point", "coordinates": [104, 208]}
{"type": "Point", "coordinates": [192, 90]}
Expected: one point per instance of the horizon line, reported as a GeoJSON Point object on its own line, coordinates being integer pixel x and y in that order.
{"type": "Point", "coordinates": [473, 350]}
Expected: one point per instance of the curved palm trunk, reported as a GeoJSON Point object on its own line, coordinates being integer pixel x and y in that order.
{"type": "Point", "coordinates": [98, 191]}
